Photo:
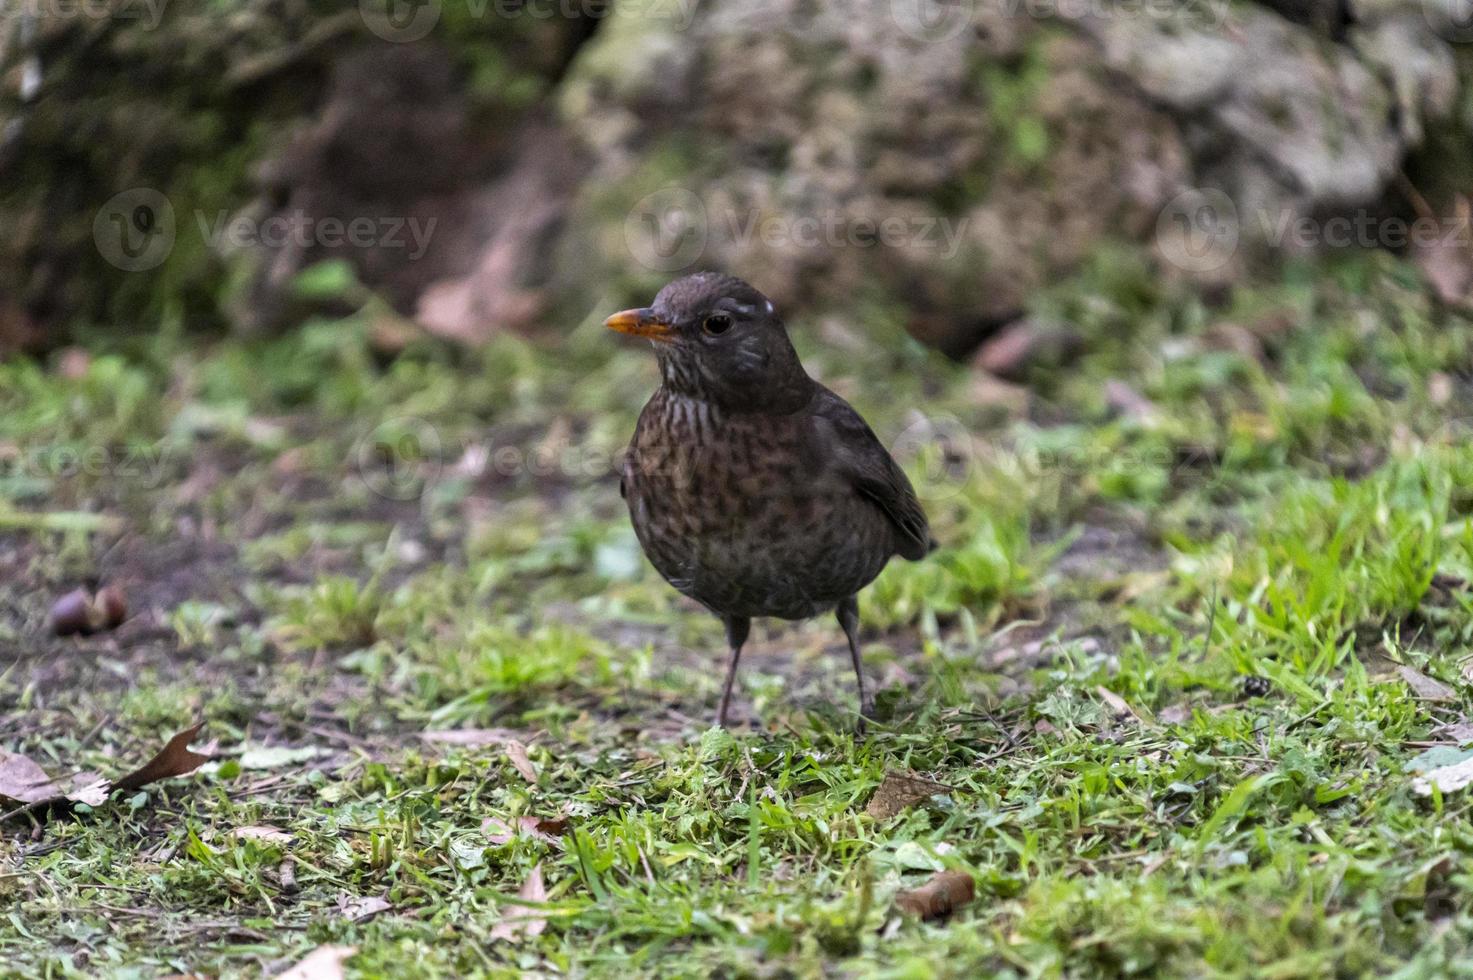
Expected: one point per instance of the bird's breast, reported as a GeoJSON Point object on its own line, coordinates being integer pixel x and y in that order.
{"type": "Point", "coordinates": [738, 512]}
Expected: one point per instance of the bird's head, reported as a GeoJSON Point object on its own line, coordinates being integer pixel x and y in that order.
{"type": "Point", "coordinates": [720, 340]}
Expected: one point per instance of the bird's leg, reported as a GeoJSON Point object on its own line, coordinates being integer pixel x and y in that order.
{"type": "Point", "coordinates": [737, 628]}
{"type": "Point", "coordinates": [848, 613]}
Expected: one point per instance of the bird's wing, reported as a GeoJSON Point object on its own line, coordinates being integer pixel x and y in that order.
{"type": "Point", "coordinates": [852, 447]}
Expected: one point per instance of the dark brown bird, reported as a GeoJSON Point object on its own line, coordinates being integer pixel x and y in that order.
{"type": "Point", "coordinates": [754, 489]}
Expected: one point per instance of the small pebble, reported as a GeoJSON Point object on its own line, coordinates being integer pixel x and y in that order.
{"type": "Point", "coordinates": [80, 613]}
{"type": "Point", "coordinates": [110, 608]}
{"type": "Point", "coordinates": [71, 614]}
{"type": "Point", "coordinates": [1256, 687]}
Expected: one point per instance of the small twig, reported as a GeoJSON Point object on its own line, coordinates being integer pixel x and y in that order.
{"type": "Point", "coordinates": [1418, 202]}
{"type": "Point", "coordinates": [87, 739]}
{"type": "Point", "coordinates": [30, 807]}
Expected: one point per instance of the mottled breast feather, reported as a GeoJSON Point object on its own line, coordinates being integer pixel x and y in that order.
{"type": "Point", "coordinates": [754, 514]}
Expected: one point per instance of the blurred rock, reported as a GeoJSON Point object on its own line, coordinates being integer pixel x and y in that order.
{"type": "Point", "coordinates": [1283, 123]}
{"type": "Point", "coordinates": [829, 154]}
{"type": "Point", "coordinates": [931, 166]}
{"type": "Point", "coordinates": [510, 230]}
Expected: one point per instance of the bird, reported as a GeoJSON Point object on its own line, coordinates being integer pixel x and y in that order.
{"type": "Point", "coordinates": [752, 488]}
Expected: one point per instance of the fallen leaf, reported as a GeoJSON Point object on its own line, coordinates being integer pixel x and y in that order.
{"type": "Point", "coordinates": [470, 736]}
{"type": "Point", "coordinates": [1458, 731]}
{"type": "Point", "coordinates": [1026, 344]}
{"type": "Point", "coordinates": [900, 790]}
{"type": "Point", "coordinates": [945, 892]}
{"type": "Point", "coordinates": [358, 908]}
{"type": "Point", "coordinates": [323, 963]}
{"type": "Point", "coordinates": [1423, 686]}
{"type": "Point", "coordinates": [551, 831]}
{"type": "Point", "coordinates": [1447, 779]}
{"type": "Point", "coordinates": [276, 756]}
{"type": "Point", "coordinates": [517, 753]}
{"type": "Point", "coordinates": [89, 788]}
{"type": "Point", "coordinates": [264, 832]}
{"type": "Point", "coordinates": [1438, 757]}
{"type": "Point", "coordinates": [532, 921]}
{"type": "Point", "coordinates": [1175, 714]}
{"type": "Point", "coordinates": [175, 759]}
{"type": "Point", "coordinates": [25, 783]}
{"type": "Point", "coordinates": [1119, 707]}
{"type": "Point", "coordinates": [1447, 262]}
{"type": "Point", "coordinates": [22, 780]}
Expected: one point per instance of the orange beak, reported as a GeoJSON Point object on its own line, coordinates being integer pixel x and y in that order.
{"type": "Point", "coordinates": [642, 323]}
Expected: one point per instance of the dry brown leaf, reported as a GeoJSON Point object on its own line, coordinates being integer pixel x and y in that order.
{"type": "Point", "coordinates": [1456, 731]}
{"type": "Point", "coordinates": [517, 753]}
{"type": "Point", "coordinates": [1423, 686]}
{"type": "Point", "coordinates": [499, 832]}
{"type": "Point", "coordinates": [174, 759]}
{"type": "Point", "coordinates": [1118, 705]}
{"type": "Point", "coordinates": [899, 790]}
{"type": "Point", "coordinates": [22, 780]}
{"type": "Point", "coordinates": [262, 832]}
{"type": "Point", "coordinates": [945, 892]}
{"type": "Point", "coordinates": [525, 921]}
{"type": "Point", "coordinates": [19, 776]}
{"type": "Point", "coordinates": [356, 909]}
{"type": "Point", "coordinates": [323, 963]}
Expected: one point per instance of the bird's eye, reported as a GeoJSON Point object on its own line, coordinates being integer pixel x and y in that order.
{"type": "Point", "coordinates": [717, 323]}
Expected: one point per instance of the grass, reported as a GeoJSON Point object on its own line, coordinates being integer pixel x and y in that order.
{"type": "Point", "coordinates": [336, 557]}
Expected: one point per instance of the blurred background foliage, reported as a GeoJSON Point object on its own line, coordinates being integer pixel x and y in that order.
{"type": "Point", "coordinates": [522, 165]}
